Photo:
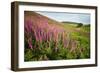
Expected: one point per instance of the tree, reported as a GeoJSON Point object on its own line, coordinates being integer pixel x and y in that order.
{"type": "Point", "coordinates": [79, 25]}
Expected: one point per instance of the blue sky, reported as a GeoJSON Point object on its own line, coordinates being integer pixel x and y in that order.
{"type": "Point", "coordinates": [64, 16]}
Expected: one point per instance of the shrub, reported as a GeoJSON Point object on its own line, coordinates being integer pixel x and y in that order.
{"type": "Point", "coordinates": [79, 25]}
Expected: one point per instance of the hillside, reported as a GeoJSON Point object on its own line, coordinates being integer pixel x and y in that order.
{"type": "Point", "coordinates": [69, 22]}
{"type": "Point", "coordinates": [33, 15]}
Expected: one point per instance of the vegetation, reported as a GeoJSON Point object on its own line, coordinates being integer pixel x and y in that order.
{"type": "Point", "coordinates": [48, 41]}
{"type": "Point", "coordinates": [79, 25]}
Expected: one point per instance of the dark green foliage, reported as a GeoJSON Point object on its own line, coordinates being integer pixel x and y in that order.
{"type": "Point", "coordinates": [79, 25]}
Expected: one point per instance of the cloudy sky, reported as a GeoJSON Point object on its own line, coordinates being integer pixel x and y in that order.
{"type": "Point", "coordinates": [64, 16]}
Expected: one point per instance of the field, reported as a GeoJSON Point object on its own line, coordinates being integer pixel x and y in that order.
{"type": "Point", "coordinates": [47, 39]}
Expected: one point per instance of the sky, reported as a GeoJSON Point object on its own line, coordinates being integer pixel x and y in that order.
{"type": "Point", "coordinates": [64, 16]}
